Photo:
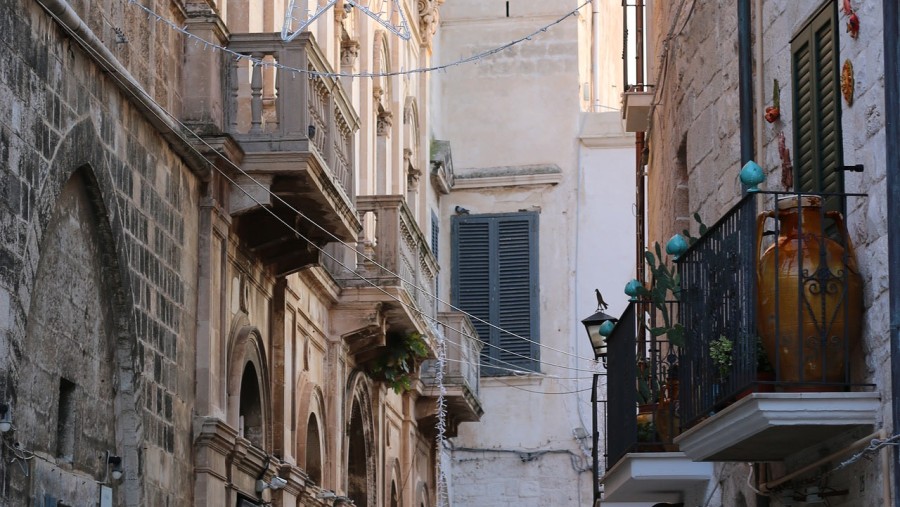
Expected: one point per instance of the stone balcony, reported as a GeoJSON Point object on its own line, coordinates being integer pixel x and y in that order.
{"type": "Point", "coordinates": [292, 133]}
{"type": "Point", "coordinates": [396, 271]}
{"type": "Point", "coordinates": [461, 376]}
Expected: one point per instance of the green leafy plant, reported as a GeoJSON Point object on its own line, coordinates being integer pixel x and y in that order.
{"type": "Point", "coordinates": [647, 383]}
{"type": "Point", "coordinates": [646, 431]}
{"type": "Point", "coordinates": [664, 281]}
{"type": "Point", "coordinates": [721, 352]}
{"type": "Point", "coordinates": [665, 285]}
{"type": "Point", "coordinates": [701, 228]}
{"type": "Point", "coordinates": [397, 363]}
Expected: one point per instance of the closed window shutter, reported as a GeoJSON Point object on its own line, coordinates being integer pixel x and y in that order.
{"type": "Point", "coordinates": [472, 274]}
{"type": "Point", "coordinates": [817, 107]}
{"type": "Point", "coordinates": [516, 304]}
{"type": "Point", "coordinates": [495, 279]}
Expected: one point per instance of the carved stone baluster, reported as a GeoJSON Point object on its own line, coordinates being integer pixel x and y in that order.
{"type": "Point", "coordinates": [233, 92]}
{"type": "Point", "coordinates": [280, 76]}
{"type": "Point", "coordinates": [256, 96]}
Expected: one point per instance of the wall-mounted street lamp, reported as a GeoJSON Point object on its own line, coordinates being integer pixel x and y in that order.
{"type": "Point", "coordinates": [598, 326]}
{"type": "Point", "coordinates": [5, 418]}
{"type": "Point", "coordinates": [114, 467]}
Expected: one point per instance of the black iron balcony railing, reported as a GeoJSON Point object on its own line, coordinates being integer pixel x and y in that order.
{"type": "Point", "coordinates": [770, 301]}
{"type": "Point", "coordinates": [642, 412]}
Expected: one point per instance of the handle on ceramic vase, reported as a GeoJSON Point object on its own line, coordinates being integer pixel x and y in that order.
{"type": "Point", "coordinates": [842, 226]}
{"type": "Point", "coordinates": [760, 223]}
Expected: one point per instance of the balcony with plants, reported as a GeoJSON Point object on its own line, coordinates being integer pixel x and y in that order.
{"type": "Point", "coordinates": [642, 410]}
{"type": "Point", "coordinates": [291, 134]}
{"type": "Point", "coordinates": [772, 309]}
{"type": "Point", "coordinates": [394, 271]}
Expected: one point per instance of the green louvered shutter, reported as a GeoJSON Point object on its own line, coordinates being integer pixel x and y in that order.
{"type": "Point", "coordinates": [817, 107]}
{"type": "Point", "coordinates": [495, 279]}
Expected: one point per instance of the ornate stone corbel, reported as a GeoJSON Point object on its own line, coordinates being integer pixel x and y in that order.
{"type": "Point", "coordinates": [429, 19]}
{"type": "Point", "coordinates": [349, 52]}
{"type": "Point", "coordinates": [385, 122]}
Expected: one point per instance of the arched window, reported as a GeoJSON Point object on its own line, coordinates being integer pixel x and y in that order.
{"type": "Point", "coordinates": [313, 450]}
{"type": "Point", "coordinates": [251, 414]}
{"type": "Point", "coordinates": [395, 497]}
{"type": "Point", "coordinates": [357, 477]}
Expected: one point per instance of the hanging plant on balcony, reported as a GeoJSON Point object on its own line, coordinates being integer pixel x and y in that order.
{"type": "Point", "coordinates": [397, 363]}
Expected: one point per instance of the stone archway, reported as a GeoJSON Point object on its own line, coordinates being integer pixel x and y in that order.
{"type": "Point", "coordinates": [248, 392]}
{"type": "Point", "coordinates": [76, 371]}
{"type": "Point", "coordinates": [360, 443]}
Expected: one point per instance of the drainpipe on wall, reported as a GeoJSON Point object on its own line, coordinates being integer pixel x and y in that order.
{"type": "Point", "coordinates": [640, 178]}
{"type": "Point", "coordinates": [892, 169]}
{"type": "Point", "coordinates": [745, 82]}
{"type": "Point", "coordinates": [595, 56]}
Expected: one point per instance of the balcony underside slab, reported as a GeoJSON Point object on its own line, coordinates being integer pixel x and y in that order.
{"type": "Point", "coordinates": [300, 180]}
{"type": "Point", "coordinates": [773, 426]}
{"type": "Point", "coordinates": [654, 477]}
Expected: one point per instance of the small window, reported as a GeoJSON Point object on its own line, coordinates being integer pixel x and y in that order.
{"type": "Point", "coordinates": [495, 278]}
{"type": "Point", "coordinates": [65, 421]}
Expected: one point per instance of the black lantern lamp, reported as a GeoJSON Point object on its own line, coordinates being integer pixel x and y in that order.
{"type": "Point", "coordinates": [599, 326]}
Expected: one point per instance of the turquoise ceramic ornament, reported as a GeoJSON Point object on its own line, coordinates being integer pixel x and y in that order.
{"type": "Point", "coordinates": [633, 289]}
{"type": "Point", "coordinates": [752, 175]}
{"type": "Point", "coordinates": [676, 246]}
{"type": "Point", "coordinates": [607, 327]}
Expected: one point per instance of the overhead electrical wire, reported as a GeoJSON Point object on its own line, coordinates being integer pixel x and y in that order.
{"type": "Point", "coordinates": [259, 61]}
{"type": "Point", "coordinates": [347, 245]}
{"type": "Point", "coordinates": [327, 254]}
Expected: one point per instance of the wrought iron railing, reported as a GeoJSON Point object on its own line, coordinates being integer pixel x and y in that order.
{"type": "Point", "coordinates": [642, 413]}
{"type": "Point", "coordinates": [269, 109]}
{"type": "Point", "coordinates": [769, 301]}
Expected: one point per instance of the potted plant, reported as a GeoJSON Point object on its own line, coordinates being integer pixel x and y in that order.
{"type": "Point", "coordinates": [396, 365]}
{"type": "Point", "coordinates": [647, 397]}
{"type": "Point", "coordinates": [721, 351]}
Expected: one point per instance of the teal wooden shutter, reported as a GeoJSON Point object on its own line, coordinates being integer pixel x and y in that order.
{"type": "Point", "coordinates": [495, 266]}
{"type": "Point", "coordinates": [817, 106]}
{"type": "Point", "coordinates": [517, 294]}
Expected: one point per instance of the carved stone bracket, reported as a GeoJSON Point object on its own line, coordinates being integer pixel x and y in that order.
{"type": "Point", "coordinates": [385, 122]}
{"type": "Point", "coordinates": [412, 173]}
{"type": "Point", "coordinates": [349, 52]}
{"type": "Point", "coordinates": [429, 19]}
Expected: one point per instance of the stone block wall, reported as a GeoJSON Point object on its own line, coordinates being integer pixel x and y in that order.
{"type": "Point", "coordinates": [97, 282]}
{"type": "Point", "coordinates": [697, 124]}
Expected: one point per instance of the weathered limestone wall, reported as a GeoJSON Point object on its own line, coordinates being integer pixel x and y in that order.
{"type": "Point", "coordinates": [98, 274]}
{"type": "Point", "coordinates": [514, 121]}
{"type": "Point", "coordinates": [694, 145]}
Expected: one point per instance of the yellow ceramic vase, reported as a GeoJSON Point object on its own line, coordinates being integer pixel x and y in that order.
{"type": "Point", "coordinates": [809, 296]}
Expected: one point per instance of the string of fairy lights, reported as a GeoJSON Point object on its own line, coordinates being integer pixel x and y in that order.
{"type": "Point", "coordinates": [442, 342]}
{"type": "Point", "coordinates": [207, 44]}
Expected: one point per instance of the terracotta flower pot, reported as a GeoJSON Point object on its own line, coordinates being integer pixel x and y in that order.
{"type": "Point", "coordinates": [813, 283]}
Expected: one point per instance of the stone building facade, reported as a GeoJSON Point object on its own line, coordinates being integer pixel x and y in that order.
{"type": "Point", "coordinates": [693, 163]}
{"type": "Point", "coordinates": [204, 256]}
{"type": "Point", "coordinates": [539, 152]}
